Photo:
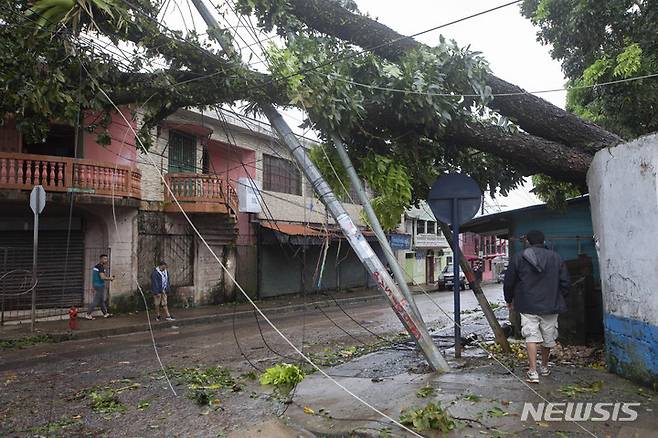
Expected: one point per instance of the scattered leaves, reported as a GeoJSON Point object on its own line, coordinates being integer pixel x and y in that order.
{"type": "Point", "coordinates": [106, 402]}
{"type": "Point", "coordinates": [282, 374]}
{"type": "Point", "coordinates": [25, 342]}
{"type": "Point", "coordinates": [496, 412]}
{"type": "Point", "coordinates": [572, 389]}
{"type": "Point", "coordinates": [425, 392]}
{"type": "Point", "coordinates": [143, 405]}
{"type": "Point", "coordinates": [472, 398]}
{"type": "Point", "coordinates": [431, 417]}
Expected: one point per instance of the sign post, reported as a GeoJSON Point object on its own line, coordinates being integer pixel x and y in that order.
{"type": "Point", "coordinates": [37, 204]}
{"type": "Point", "coordinates": [455, 199]}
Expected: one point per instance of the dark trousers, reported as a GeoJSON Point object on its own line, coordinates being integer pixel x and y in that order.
{"type": "Point", "coordinates": [99, 300]}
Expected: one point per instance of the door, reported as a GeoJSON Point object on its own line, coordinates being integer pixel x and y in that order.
{"type": "Point", "coordinates": [430, 267]}
{"type": "Point", "coordinates": [182, 153]}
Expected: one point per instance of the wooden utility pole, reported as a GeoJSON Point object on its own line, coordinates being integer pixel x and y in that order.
{"type": "Point", "coordinates": [477, 291]}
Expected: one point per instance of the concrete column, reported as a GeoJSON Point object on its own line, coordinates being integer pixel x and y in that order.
{"type": "Point", "coordinates": [624, 200]}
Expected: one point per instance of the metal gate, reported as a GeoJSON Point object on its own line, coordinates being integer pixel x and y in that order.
{"type": "Point", "coordinates": [60, 273]}
{"type": "Point", "coordinates": [175, 249]}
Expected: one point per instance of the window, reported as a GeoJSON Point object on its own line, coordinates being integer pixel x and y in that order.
{"type": "Point", "coordinates": [182, 152]}
{"type": "Point", "coordinates": [281, 175]}
{"type": "Point", "coordinates": [420, 227]}
{"type": "Point", "coordinates": [60, 142]}
{"type": "Point", "coordinates": [409, 255]}
{"type": "Point", "coordinates": [432, 228]}
{"type": "Point", "coordinates": [205, 161]}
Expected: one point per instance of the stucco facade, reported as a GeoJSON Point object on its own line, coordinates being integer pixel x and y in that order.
{"type": "Point", "coordinates": [624, 199]}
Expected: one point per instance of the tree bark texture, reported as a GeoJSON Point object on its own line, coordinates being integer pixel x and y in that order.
{"type": "Point", "coordinates": [535, 115]}
{"type": "Point", "coordinates": [527, 153]}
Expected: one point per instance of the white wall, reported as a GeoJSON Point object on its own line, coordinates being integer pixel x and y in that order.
{"type": "Point", "coordinates": [624, 200]}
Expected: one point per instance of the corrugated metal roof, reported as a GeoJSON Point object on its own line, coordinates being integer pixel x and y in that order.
{"type": "Point", "coordinates": [297, 229]}
{"type": "Point", "coordinates": [293, 229]}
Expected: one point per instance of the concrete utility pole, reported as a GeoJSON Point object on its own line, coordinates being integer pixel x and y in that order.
{"type": "Point", "coordinates": [374, 223]}
{"type": "Point", "coordinates": [401, 306]}
{"type": "Point", "coordinates": [384, 282]}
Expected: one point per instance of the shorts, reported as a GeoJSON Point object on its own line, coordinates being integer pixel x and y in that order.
{"type": "Point", "coordinates": [160, 299]}
{"type": "Point", "coordinates": [541, 329]}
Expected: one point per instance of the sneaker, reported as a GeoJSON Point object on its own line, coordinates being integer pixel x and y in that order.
{"type": "Point", "coordinates": [157, 318]}
{"type": "Point", "coordinates": [107, 315]}
{"type": "Point", "coordinates": [170, 318]}
{"type": "Point", "coordinates": [532, 377]}
{"type": "Point", "coordinates": [89, 317]}
{"type": "Point", "coordinates": [543, 371]}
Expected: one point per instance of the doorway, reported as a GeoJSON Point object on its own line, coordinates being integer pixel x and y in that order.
{"type": "Point", "coordinates": [429, 259]}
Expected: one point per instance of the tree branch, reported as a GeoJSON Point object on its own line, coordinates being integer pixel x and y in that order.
{"type": "Point", "coordinates": [535, 115]}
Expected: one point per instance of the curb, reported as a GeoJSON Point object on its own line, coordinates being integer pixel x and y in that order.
{"type": "Point", "coordinates": [205, 319]}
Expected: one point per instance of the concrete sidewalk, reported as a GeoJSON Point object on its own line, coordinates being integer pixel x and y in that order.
{"type": "Point", "coordinates": [137, 322]}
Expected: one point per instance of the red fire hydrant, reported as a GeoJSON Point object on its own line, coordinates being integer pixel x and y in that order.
{"type": "Point", "coordinates": [73, 318]}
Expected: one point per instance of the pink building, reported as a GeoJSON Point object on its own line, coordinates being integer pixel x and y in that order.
{"type": "Point", "coordinates": [88, 185]}
{"type": "Point", "coordinates": [491, 251]}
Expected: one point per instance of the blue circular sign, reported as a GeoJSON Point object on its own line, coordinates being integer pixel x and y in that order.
{"type": "Point", "coordinates": [455, 191]}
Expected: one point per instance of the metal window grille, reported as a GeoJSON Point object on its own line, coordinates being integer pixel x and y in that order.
{"type": "Point", "coordinates": [280, 175]}
{"type": "Point", "coordinates": [182, 152]}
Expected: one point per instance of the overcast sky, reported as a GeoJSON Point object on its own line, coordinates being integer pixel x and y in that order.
{"type": "Point", "coordinates": [506, 39]}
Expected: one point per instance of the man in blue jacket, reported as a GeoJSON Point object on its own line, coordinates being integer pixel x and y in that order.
{"type": "Point", "coordinates": [536, 285]}
{"type": "Point", "coordinates": [160, 289]}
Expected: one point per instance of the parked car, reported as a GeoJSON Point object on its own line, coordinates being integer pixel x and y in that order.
{"type": "Point", "coordinates": [446, 278]}
{"type": "Point", "coordinates": [501, 276]}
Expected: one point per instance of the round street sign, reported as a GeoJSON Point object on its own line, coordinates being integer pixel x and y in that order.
{"type": "Point", "coordinates": [455, 189]}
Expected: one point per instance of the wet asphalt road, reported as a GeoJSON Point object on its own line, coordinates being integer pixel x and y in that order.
{"type": "Point", "coordinates": [42, 387]}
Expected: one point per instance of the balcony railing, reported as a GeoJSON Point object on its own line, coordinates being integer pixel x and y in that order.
{"type": "Point", "coordinates": [63, 174]}
{"type": "Point", "coordinates": [201, 193]}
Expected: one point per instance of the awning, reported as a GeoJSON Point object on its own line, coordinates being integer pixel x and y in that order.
{"type": "Point", "coordinates": [292, 229]}
{"type": "Point", "coordinates": [297, 233]}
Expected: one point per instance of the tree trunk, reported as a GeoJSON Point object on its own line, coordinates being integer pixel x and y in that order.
{"type": "Point", "coordinates": [525, 152]}
{"type": "Point", "coordinates": [533, 114]}
{"type": "Point", "coordinates": [534, 154]}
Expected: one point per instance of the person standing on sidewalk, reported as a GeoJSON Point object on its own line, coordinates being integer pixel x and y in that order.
{"type": "Point", "coordinates": [99, 278]}
{"type": "Point", "coordinates": [536, 285]}
{"type": "Point", "coordinates": [160, 288]}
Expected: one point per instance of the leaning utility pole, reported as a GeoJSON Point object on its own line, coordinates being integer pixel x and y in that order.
{"type": "Point", "coordinates": [475, 286]}
{"type": "Point", "coordinates": [361, 247]}
{"type": "Point", "coordinates": [374, 223]}
{"type": "Point", "coordinates": [401, 306]}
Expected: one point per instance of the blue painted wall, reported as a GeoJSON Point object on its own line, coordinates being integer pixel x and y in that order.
{"type": "Point", "coordinates": [632, 349]}
{"type": "Point", "coordinates": [576, 220]}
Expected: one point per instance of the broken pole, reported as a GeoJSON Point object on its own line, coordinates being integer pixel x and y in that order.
{"type": "Point", "coordinates": [361, 247]}
{"type": "Point", "coordinates": [475, 286]}
{"type": "Point", "coordinates": [373, 265]}
{"type": "Point", "coordinates": [374, 223]}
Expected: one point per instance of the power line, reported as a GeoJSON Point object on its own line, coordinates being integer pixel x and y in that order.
{"type": "Point", "coordinates": [345, 55]}
{"type": "Point", "coordinates": [520, 93]}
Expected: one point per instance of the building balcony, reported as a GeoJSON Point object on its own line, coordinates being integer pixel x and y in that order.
{"type": "Point", "coordinates": [200, 193]}
{"type": "Point", "coordinates": [63, 174]}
